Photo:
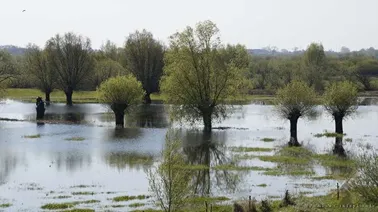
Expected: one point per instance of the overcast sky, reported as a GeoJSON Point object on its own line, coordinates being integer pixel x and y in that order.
{"type": "Point", "coordinates": [254, 23]}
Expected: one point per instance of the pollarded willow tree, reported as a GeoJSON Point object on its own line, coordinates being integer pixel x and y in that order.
{"type": "Point", "coordinates": [295, 100]}
{"type": "Point", "coordinates": [144, 58]}
{"type": "Point", "coordinates": [120, 92]}
{"type": "Point", "coordinates": [199, 74]}
{"type": "Point", "coordinates": [70, 56]}
{"type": "Point", "coordinates": [340, 101]}
{"type": "Point", "coordinates": [38, 66]}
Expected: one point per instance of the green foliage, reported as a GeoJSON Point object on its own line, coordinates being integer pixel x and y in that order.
{"type": "Point", "coordinates": [128, 198]}
{"type": "Point", "coordinates": [7, 67]}
{"type": "Point", "coordinates": [315, 63]}
{"type": "Point", "coordinates": [296, 98]}
{"type": "Point", "coordinates": [70, 56]}
{"type": "Point", "coordinates": [169, 182]}
{"type": "Point", "coordinates": [107, 68]}
{"type": "Point", "coordinates": [366, 182]}
{"type": "Point", "coordinates": [341, 98]}
{"type": "Point", "coordinates": [121, 90]}
{"type": "Point", "coordinates": [37, 65]}
{"type": "Point", "coordinates": [144, 58]}
{"type": "Point", "coordinates": [200, 73]}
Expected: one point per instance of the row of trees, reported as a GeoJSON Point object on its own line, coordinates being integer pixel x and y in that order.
{"type": "Point", "coordinates": [200, 74]}
{"type": "Point", "coordinates": [68, 62]}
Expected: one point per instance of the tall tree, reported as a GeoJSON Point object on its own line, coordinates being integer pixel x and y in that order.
{"type": "Point", "coordinates": [70, 56]}
{"type": "Point", "coordinates": [340, 101]}
{"type": "Point", "coordinates": [365, 70]}
{"type": "Point", "coordinates": [198, 75]}
{"type": "Point", "coordinates": [144, 57]}
{"type": "Point", "coordinates": [314, 60]}
{"type": "Point", "coordinates": [38, 66]}
{"type": "Point", "coordinates": [7, 66]}
{"type": "Point", "coordinates": [295, 100]}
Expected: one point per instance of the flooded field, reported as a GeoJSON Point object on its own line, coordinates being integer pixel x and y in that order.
{"type": "Point", "coordinates": [88, 162]}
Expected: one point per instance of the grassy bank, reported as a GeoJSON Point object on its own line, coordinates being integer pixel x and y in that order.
{"type": "Point", "coordinates": [29, 95]}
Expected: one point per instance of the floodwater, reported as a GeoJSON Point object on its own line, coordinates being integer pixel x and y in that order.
{"type": "Point", "coordinates": [112, 162]}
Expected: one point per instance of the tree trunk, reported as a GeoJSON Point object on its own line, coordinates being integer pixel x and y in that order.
{"type": "Point", "coordinates": [293, 132]}
{"type": "Point", "coordinates": [147, 99]}
{"type": "Point", "coordinates": [339, 149]}
{"type": "Point", "coordinates": [69, 93]}
{"type": "Point", "coordinates": [120, 117]}
{"type": "Point", "coordinates": [207, 121]}
{"type": "Point", "coordinates": [47, 99]}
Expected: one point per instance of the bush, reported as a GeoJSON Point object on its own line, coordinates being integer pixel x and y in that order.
{"type": "Point", "coordinates": [366, 183]}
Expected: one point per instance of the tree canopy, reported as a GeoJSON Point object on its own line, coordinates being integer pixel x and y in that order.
{"type": "Point", "coordinates": [144, 58]}
{"type": "Point", "coordinates": [38, 65]}
{"type": "Point", "coordinates": [200, 73]}
{"type": "Point", "coordinates": [120, 92]}
{"type": "Point", "coordinates": [70, 56]}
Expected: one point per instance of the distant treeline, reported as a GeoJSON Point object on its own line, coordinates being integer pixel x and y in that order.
{"type": "Point", "coordinates": [52, 67]}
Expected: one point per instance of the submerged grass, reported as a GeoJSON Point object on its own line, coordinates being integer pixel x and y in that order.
{"type": "Point", "coordinates": [250, 149]}
{"type": "Point", "coordinates": [334, 161]}
{"type": "Point", "coordinates": [66, 205]}
{"type": "Point", "coordinates": [262, 185]}
{"type": "Point", "coordinates": [128, 198]}
{"type": "Point", "coordinates": [83, 193]}
{"type": "Point", "coordinates": [80, 210]}
{"type": "Point", "coordinates": [268, 139]}
{"type": "Point", "coordinates": [201, 200]}
{"type": "Point", "coordinates": [136, 205]}
{"type": "Point", "coordinates": [6, 205]}
{"type": "Point", "coordinates": [75, 139]}
{"type": "Point", "coordinates": [32, 136]}
{"type": "Point", "coordinates": [62, 197]}
{"type": "Point", "coordinates": [329, 135]}
{"type": "Point", "coordinates": [83, 186]}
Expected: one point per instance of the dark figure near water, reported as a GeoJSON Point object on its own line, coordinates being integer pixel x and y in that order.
{"type": "Point", "coordinates": [40, 108]}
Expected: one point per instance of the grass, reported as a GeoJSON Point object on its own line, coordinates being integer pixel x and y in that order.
{"type": "Point", "coordinates": [329, 135]}
{"type": "Point", "coordinates": [66, 205]}
{"type": "Point", "coordinates": [201, 200]}
{"type": "Point", "coordinates": [62, 197]}
{"type": "Point", "coordinates": [285, 159]}
{"type": "Point", "coordinates": [348, 140]}
{"type": "Point", "coordinates": [6, 205]}
{"type": "Point", "coordinates": [250, 149]}
{"type": "Point", "coordinates": [262, 185]}
{"type": "Point", "coordinates": [117, 206]}
{"type": "Point", "coordinates": [334, 161]}
{"type": "Point", "coordinates": [32, 136]}
{"type": "Point", "coordinates": [29, 95]}
{"type": "Point", "coordinates": [75, 139]}
{"type": "Point", "coordinates": [83, 186]}
{"type": "Point", "coordinates": [232, 167]}
{"type": "Point", "coordinates": [57, 206]}
{"type": "Point", "coordinates": [136, 205]}
{"type": "Point", "coordinates": [244, 157]}
{"type": "Point", "coordinates": [83, 193]}
{"type": "Point", "coordinates": [268, 139]}
{"type": "Point", "coordinates": [128, 198]}
{"type": "Point", "coordinates": [289, 172]}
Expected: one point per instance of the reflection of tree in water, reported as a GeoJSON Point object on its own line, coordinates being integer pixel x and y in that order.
{"type": "Point", "coordinates": [72, 161]}
{"type": "Point", "coordinates": [203, 149]}
{"type": "Point", "coordinates": [8, 162]}
{"type": "Point", "coordinates": [123, 133]}
{"type": "Point", "coordinates": [148, 116]}
{"type": "Point", "coordinates": [132, 160]}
